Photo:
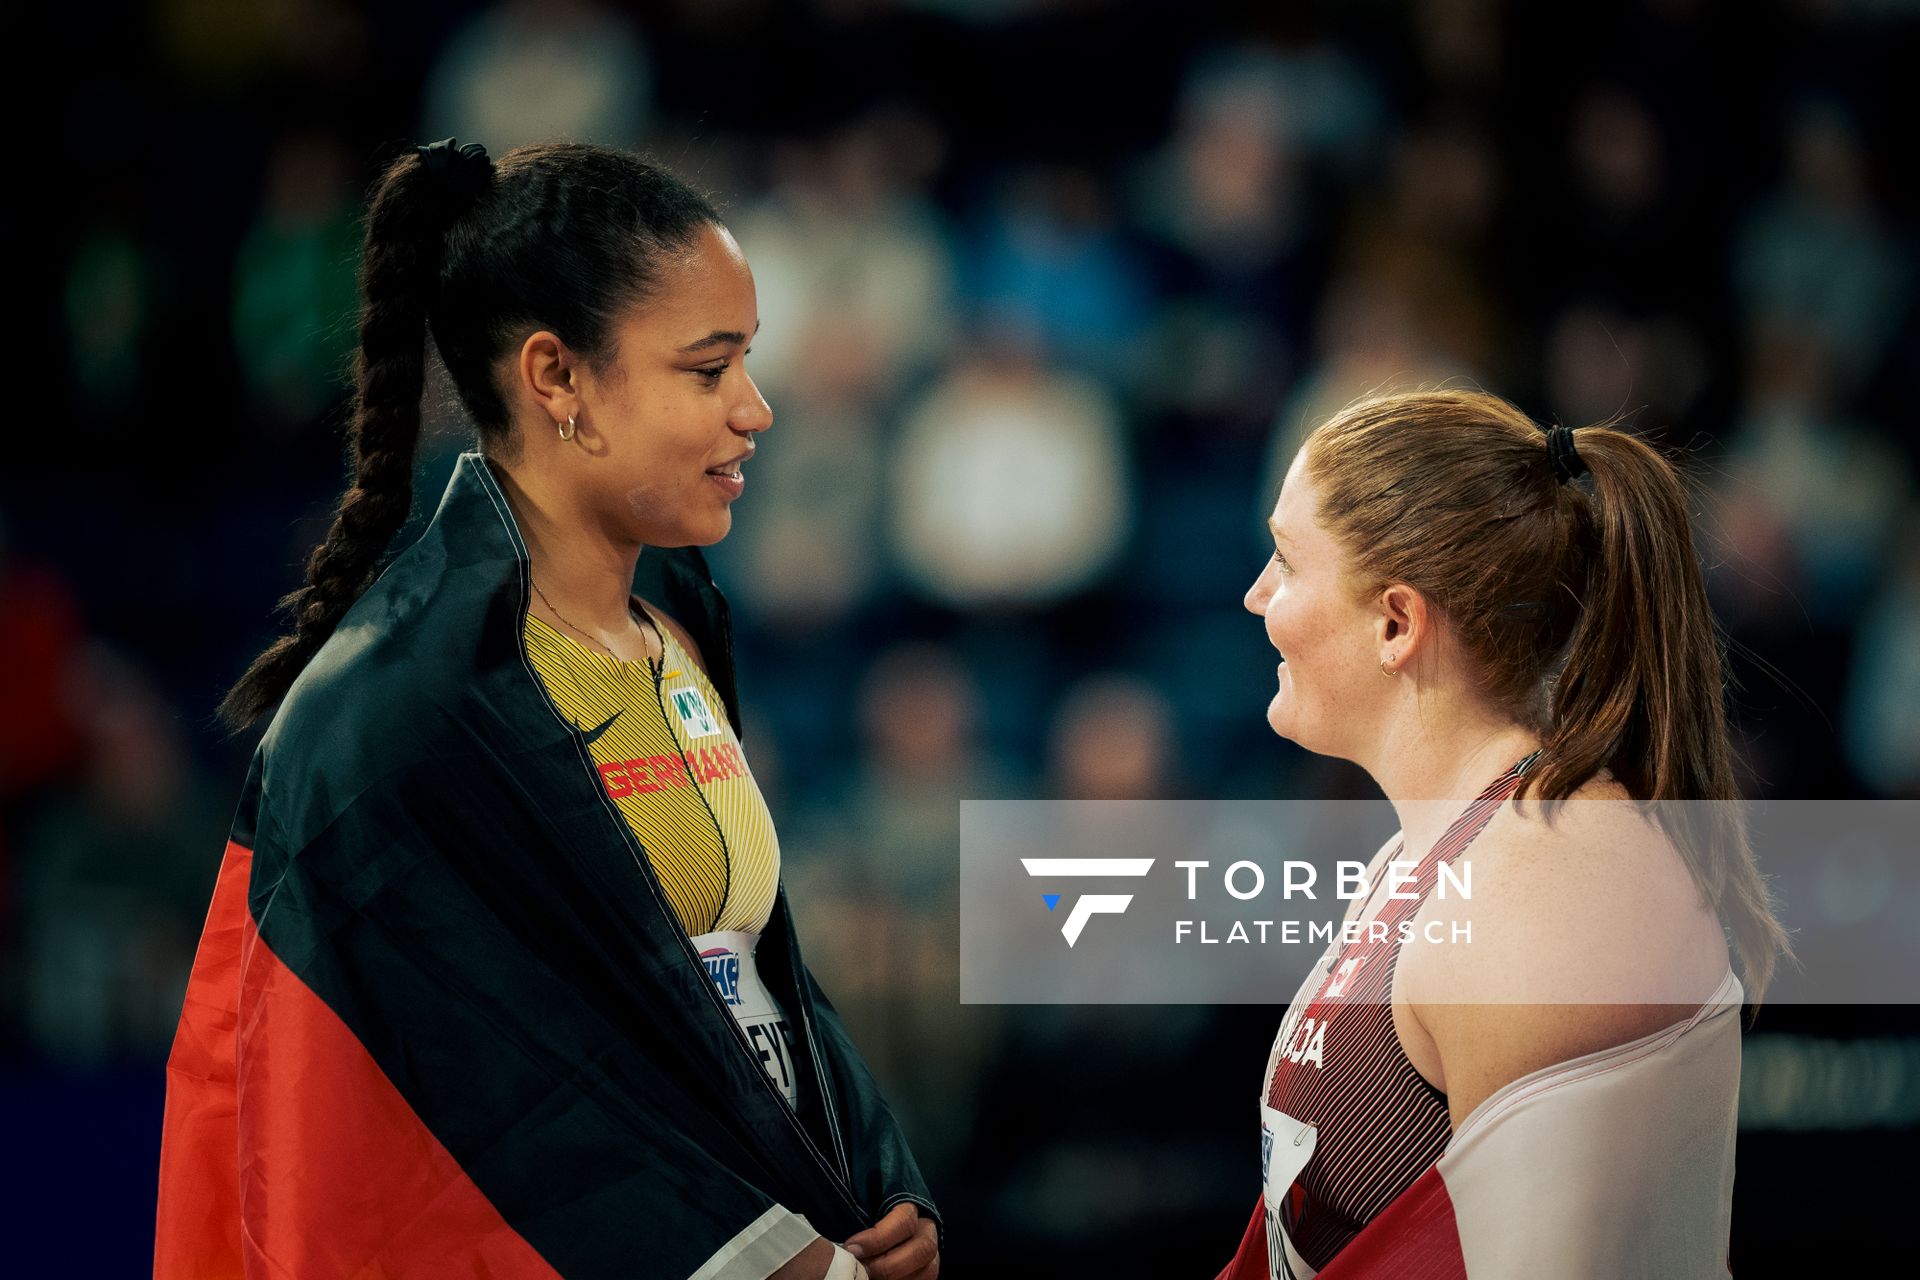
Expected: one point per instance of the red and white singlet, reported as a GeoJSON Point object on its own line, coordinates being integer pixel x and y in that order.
{"type": "Point", "coordinates": [1347, 1123]}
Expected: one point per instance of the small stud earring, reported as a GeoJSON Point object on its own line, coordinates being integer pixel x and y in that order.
{"type": "Point", "coordinates": [1384, 671]}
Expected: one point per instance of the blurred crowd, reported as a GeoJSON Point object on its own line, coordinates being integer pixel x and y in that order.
{"type": "Point", "coordinates": [1051, 291]}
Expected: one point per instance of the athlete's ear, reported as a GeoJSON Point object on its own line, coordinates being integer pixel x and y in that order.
{"type": "Point", "coordinates": [1403, 625]}
{"type": "Point", "coordinates": [545, 373]}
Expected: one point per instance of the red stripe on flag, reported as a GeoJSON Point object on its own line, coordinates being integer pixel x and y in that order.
{"type": "Point", "coordinates": [287, 1151]}
{"type": "Point", "coordinates": [1414, 1238]}
{"type": "Point", "coordinates": [197, 1229]}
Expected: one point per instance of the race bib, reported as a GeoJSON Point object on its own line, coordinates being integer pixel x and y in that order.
{"type": "Point", "coordinates": [728, 958]}
{"type": "Point", "coordinates": [1286, 1145]}
{"type": "Point", "coordinates": [696, 717]}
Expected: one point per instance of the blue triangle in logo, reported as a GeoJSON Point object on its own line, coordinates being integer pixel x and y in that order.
{"type": "Point", "coordinates": [1051, 899]}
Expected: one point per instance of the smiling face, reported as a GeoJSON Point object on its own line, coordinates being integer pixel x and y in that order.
{"type": "Point", "coordinates": [1330, 687]}
{"type": "Point", "coordinates": [662, 436]}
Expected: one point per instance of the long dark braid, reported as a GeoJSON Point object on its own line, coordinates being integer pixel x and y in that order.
{"type": "Point", "coordinates": [565, 236]}
{"type": "Point", "coordinates": [399, 265]}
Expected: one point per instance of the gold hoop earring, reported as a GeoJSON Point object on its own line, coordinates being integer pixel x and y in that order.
{"type": "Point", "coordinates": [566, 432]}
{"type": "Point", "coordinates": [1384, 671]}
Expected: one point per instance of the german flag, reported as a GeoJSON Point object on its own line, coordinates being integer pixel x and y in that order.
{"type": "Point", "coordinates": [442, 1020]}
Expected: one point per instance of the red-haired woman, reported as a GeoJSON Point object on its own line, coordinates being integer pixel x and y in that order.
{"type": "Point", "coordinates": [1486, 616]}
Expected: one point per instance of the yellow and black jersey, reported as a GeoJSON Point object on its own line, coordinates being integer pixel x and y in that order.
{"type": "Point", "coordinates": [672, 765]}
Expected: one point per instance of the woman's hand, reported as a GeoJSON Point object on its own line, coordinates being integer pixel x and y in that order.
{"type": "Point", "coordinates": [901, 1246]}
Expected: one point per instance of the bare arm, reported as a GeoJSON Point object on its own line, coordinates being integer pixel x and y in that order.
{"type": "Point", "coordinates": [1581, 940]}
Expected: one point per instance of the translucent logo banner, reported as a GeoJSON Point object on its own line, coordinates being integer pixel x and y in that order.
{"type": "Point", "coordinates": [1240, 901]}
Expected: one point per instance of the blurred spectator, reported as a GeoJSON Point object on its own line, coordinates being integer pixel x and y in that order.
{"type": "Point", "coordinates": [1009, 481]}
{"type": "Point", "coordinates": [1229, 188]}
{"type": "Point", "coordinates": [110, 304]}
{"type": "Point", "coordinates": [1113, 740]}
{"type": "Point", "coordinates": [1379, 331]}
{"type": "Point", "coordinates": [1228, 200]}
{"type": "Point", "coordinates": [40, 638]}
{"type": "Point", "coordinates": [919, 719]}
{"type": "Point", "coordinates": [295, 313]}
{"type": "Point", "coordinates": [1618, 229]}
{"type": "Point", "coordinates": [1446, 185]}
{"type": "Point", "coordinates": [1460, 44]}
{"type": "Point", "coordinates": [1838, 488]}
{"type": "Point", "coordinates": [885, 917]}
{"type": "Point", "coordinates": [1050, 268]}
{"type": "Point", "coordinates": [803, 552]}
{"type": "Point", "coordinates": [1883, 702]}
{"type": "Point", "coordinates": [41, 740]}
{"type": "Point", "coordinates": [1619, 158]}
{"type": "Point", "coordinates": [1600, 363]}
{"type": "Point", "coordinates": [1313, 96]}
{"type": "Point", "coordinates": [851, 263]}
{"type": "Point", "coordinates": [1814, 264]}
{"type": "Point", "coordinates": [115, 873]}
{"type": "Point", "coordinates": [541, 71]}
{"type": "Point", "coordinates": [852, 270]}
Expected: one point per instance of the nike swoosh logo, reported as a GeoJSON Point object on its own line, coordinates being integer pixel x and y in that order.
{"type": "Point", "coordinates": [594, 733]}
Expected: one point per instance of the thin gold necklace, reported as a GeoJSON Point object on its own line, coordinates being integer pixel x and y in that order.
{"type": "Point", "coordinates": [556, 613]}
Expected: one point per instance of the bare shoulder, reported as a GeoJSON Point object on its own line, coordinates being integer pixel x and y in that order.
{"type": "Point", "coordinates": [680, 634]}
{"type": "Point", "coordinates": [1582, 931]}
{"type": "Point", "coordinates": [1592, 902]}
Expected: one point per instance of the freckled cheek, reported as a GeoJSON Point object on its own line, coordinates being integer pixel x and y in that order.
{"type": "Point", "coordinates": [1277, 626]}
{"type": "Point", "coordinates": [1294, 642]}
{"type": "Point", "coordinates": [1306, 638]}
{"type": "Point", "coordinates": [1288, 623]}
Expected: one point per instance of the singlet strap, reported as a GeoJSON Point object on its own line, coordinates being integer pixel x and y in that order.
{"type": "Point", "coordinates": [1462, 831]}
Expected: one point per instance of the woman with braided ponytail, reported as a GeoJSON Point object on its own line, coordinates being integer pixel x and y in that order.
{"type": "Point", "coordinates": [1535, 1075]}
{"type": "Point", "coordinates": [499, 977]}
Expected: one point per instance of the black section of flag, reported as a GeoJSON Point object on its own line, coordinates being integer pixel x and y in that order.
{"type": "Point", "coordinates": [436, 858]}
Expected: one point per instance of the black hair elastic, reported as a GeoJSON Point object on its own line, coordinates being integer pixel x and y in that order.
{"type": "Point", "coordinates": [457, 173]}
{"type": "Point", "coordinates": [1567, 462]}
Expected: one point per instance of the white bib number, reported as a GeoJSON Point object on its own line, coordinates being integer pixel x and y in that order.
{"type": "Point", "coordinates": [1286, 1145]}
{"type": "Point", "coordinates": [728, 958]}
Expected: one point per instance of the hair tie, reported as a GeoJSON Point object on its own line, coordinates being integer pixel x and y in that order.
{"type": "Point", "coordinates": [456, 173]}
{"type": "Point", "coordinates": [1567, 462]}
